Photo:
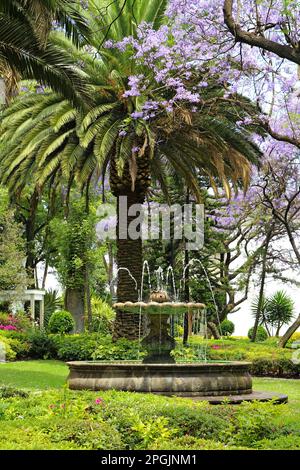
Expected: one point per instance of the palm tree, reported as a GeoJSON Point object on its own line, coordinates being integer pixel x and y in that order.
{"type": "Point", "coordinates": [26, 50]}
{"type": "Point", "coordinates": [279, 311]}
{"type": "Point", "coordinates": [47, 135]}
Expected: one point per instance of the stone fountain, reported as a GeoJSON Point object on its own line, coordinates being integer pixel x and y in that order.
{"type": "Point", "coordinates": [158, 372]}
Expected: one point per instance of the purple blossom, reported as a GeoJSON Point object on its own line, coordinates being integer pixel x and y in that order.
{"type": "Point", "coordinates": [137, 114]}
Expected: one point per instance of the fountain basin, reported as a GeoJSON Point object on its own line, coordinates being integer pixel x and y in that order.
{"type": "Point", "coordinates": [181, 379]}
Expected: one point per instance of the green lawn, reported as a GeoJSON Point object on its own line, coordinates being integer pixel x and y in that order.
{"type": "Point", "coordinates": [34, 375]}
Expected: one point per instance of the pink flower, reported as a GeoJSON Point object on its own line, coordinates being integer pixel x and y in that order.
{"type": "Point", "coordinates": [99, 401]}
{"type": "Point", "coordinates": [8, 328]}
{"type": "Point", "coordinates": [216, 346]}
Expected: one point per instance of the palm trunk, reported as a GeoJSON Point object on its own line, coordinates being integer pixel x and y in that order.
{"type": "Point", "coordinates": [129, 256]}
{"type": "Point", "coordinates": [129, 251]}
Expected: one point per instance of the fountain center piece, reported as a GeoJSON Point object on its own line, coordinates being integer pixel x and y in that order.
{"type": "Point", "coordinates": [158, 343]}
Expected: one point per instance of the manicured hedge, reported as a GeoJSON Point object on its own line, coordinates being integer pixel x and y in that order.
{"type": "Point", "coordinates": [267, 359]}
{"type": "Point", "coordinates": [284, 368]}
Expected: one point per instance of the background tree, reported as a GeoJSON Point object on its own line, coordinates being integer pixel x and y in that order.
{"type": "Point", "coordinates": [12, 255]}
{"type": "Point", "coordinates": [76, 257]}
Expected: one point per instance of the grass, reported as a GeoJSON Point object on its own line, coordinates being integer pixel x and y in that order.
{"type": "Point", "coordinates": [34, 375]}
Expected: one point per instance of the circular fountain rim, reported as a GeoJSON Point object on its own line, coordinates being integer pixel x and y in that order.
{"type": "Point", "coordinates": [141, 365]}
{"type": "Point", "coordinates": [159, 304]}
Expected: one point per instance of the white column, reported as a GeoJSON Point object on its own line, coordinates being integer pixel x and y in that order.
{"type": "Point", "coordinates": [32, 308]}
{"type": "Point", "coordinates": [42, 313]}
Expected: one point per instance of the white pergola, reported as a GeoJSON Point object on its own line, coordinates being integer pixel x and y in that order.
{"type": "Point", "coordinates": [29, 295]}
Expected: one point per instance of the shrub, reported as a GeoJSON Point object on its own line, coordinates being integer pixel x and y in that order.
{"type": "Point", "coordinates": [41, 346]}
{"type": "Point", "coordinates": [75, 347]}
{"type": "Point", "coordinates": [275, 368]}
{"type": "Point", "coordinates": [196, 422]}
{"type": "Point", "coordinates": [23, 321]}
{"type": "Point", "coordinates": [227, 328]}
{"type": "Point", "coordinates": [92, 347]}
{"type": "Point", "coordinates": [8, 322]}
{"type": "Point", "coordinates": [121, 349]}
{"type": "Point", "coordinates": [295, 336]}
{"type": "Point", "coordinates": [261, 334]}
{"type": "Point", "coordinates": [11, 392]}
{"type": "Point", "coordinates": [4, 318]}
{"type": "Point", "coordinates": [153, 430]}
{"type": "Point", "coordinates": [21, 348]}
{"type": "Point", "coordinates": [191, 443]}
{"type": "Point", "coordinates": [253, 422]}
{"type": "Point", "coordinates": [27, 436]}
{"type": "Point", "coordinates": [61, 322]}
{"type": "Point", "coordinates": [6, 348]}
{"type": "Point", "coordinates": [102, 316]}
{"type": "Point", "coordinates": [60, 434]}
{"type": "Point", "coordinates": [18, 322]}
{"type": "Point", "coordinates": [280, 443]}
{"type": "Point", "coordinates": [89, 435]}
{"type": "Point", "coordinates": [18, 343]}
{"type": "Point", "coordinates": [52, 303]}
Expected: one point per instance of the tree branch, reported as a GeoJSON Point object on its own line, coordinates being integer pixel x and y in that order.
{"type": "Point", "coordinates": [254, 39]}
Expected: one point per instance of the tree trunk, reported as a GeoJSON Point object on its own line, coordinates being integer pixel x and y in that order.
{"type": "Point", "coordinates": [214, 330]}
{"type": "Point", "coordinates": [186, 285]}
{"type": "Point", "coordinates": [129, 256]}
{"type": "Point", "coordinates": [30, 238]}
{"type": "Point", "coordinates": [186, 298]}
{"type": "Point", "coordinates": [262, 285]}
{"type": "Point", "coordinates": [129, 251]}
{"type": "Point", "coordinates": [290, 331]}
{"type": "Point", "coordinates": [74, 303]}
{"type": "Point", "coordinates": [88, 303]}
{"type": "Point", "coordinates": [110, 269]}
{"type": "Point", "coordinates": [45, 274]}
